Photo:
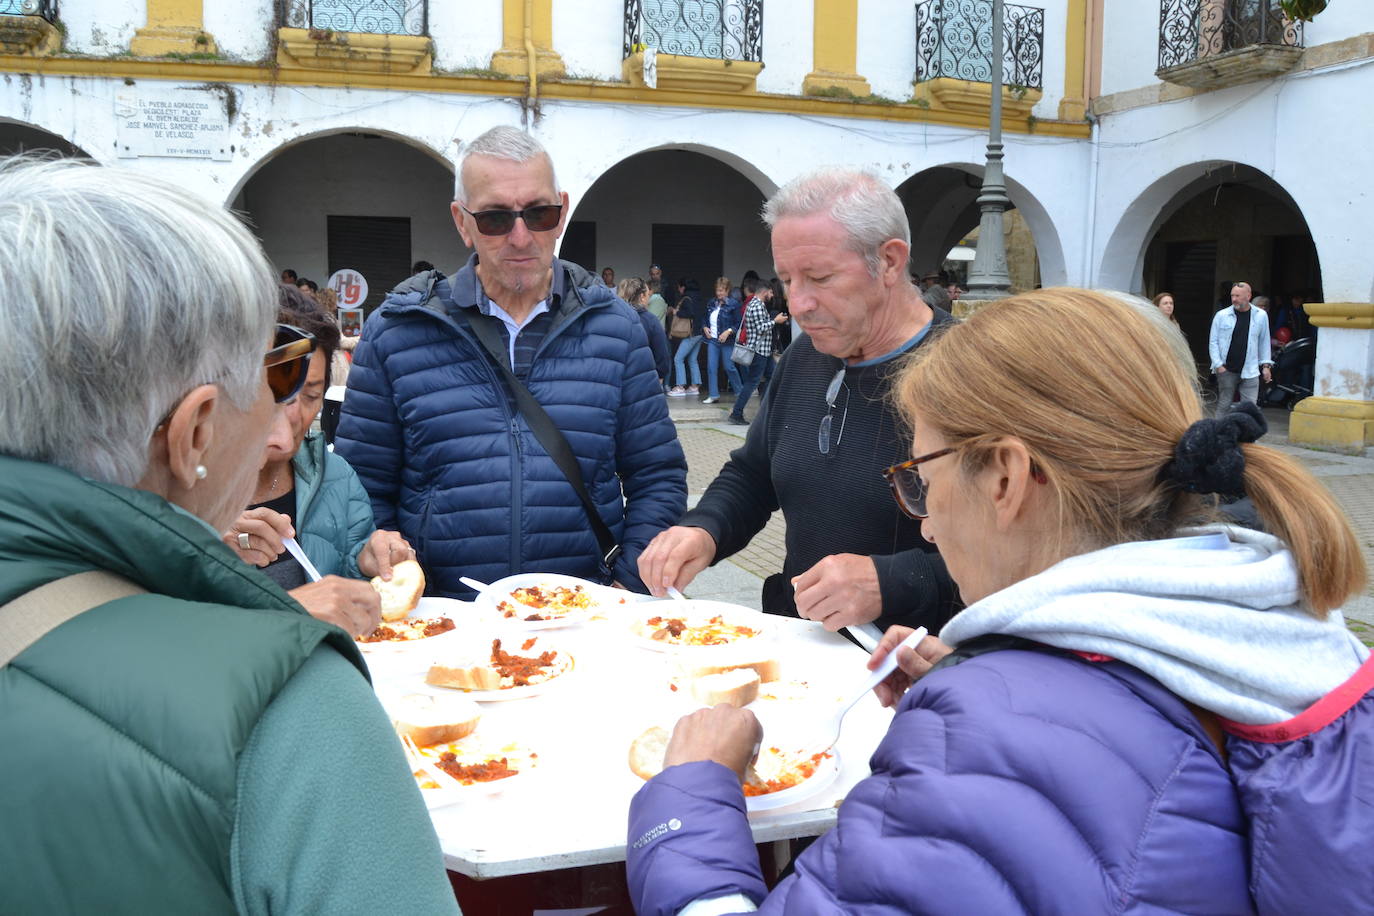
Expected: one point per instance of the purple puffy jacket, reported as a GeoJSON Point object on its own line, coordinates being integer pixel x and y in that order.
{"type": "Point", "coordinates": [1021, 781]}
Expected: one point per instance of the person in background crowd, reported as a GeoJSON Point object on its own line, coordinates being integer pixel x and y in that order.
{"type": "Point", "coordinates": [758, 325]}
{"type": "Point", "coordinates": [634, 291]}
{"type": "Point", "coordinates": [288, 276]}
{"type": "Point", "coordinates": [738, 292]}
{"type": "Point", "coordinates": [1165, 303]}
{"type": "Point", "coordinates": [782, 331]}
{"type": "Point", "coordinates": [430, 425]}
{"type": "Point", "coordinates": [420, 267]}
{"type": "Point", "coordinates": [309, 493]}
{"type": "Point", "coordinates": [657, 305]}
{"type": "Point", "coordinates": [685, 359]}
{"type": "Point", "coordinates": [1240, 350]}
{"type": "Point", "coordinates": [954, 291]}
{"type": "Point", "coordinates": [937, 297]}
{"type": "Point", "coordinates": [328, 301]}
{"type": "Point", "coordinates": [154, 744]}
{"type": "Point", "coordinates": [1294, 316]}
{"type": "Point", "coordinates": [932, 278]}
{"type": "Point", "coordinates": [722, 322]}
{"type": "Point", "coordinates": [1261, 303]}
{"type": "Point", "coordinates": [668, 291]}
{"type": "Point", "coordinates": [608, 277]}
{"type": "Point", "coordinates": [308, 287]}
{"type": "Point", "coordinates": [828, 427]}
{"type": "Point", "coordinates": [1138, 715]}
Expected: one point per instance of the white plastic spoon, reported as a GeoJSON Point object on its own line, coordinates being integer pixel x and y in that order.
{"type": "Point", "coordinates": [885, 667]}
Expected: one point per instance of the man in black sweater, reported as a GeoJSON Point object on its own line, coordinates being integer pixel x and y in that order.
{"type": "Point", "coordinates": [826, 429]}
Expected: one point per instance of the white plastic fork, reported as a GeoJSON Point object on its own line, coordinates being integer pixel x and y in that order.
{"type": "Point", "coordinates": [885, 667]}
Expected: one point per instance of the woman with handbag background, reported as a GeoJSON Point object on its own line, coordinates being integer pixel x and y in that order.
{"type": "Point", "coordinates": [687, 330]}
{"type": "Point", "coordinates": [754, 348]}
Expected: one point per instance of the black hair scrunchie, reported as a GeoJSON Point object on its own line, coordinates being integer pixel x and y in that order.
{"type": "Point", "coordinates": [1208, 458]}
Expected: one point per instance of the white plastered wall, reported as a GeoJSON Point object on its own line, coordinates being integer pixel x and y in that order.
{"type": "Point", "coordinates": [101, 26]}
{"type": "Point", "coordinates": [242, 29]}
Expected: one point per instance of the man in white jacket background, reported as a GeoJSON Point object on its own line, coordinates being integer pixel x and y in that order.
{"type": "Point", "coordinates": [1239, 349]}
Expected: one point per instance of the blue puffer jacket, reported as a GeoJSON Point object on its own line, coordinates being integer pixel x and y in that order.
{"type": "Point", "coordinates": [451, 465]}
{"type": "Point", "coordinates": [333, 513]}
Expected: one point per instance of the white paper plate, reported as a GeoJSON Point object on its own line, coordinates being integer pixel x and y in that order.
{"type": "Point", "coordinates": [826, 771]}
{"type": "Point", "coordinates": [602, 597]}
{"type": "Point", "coordinates": [457, 611]}
{"type": "Point", "coordinates": [494, 696]}
{"type": "Point", "coordinates": [449, 793]}
{"type": "Point", "coordinates": [698, 610]}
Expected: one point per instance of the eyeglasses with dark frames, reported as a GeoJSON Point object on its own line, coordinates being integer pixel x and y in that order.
{"type": "Point", "coordinates": [832, 392]}
{"type": "Point", "coordinates": [908, 489]}
{"type": "Point", "coordinates": [539, 218]}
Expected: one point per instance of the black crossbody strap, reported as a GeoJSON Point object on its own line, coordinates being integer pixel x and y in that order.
{"type": "Point", "coordinates": [549, 436]}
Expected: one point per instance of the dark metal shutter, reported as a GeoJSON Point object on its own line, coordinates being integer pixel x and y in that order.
{"type": "Point", "coordinates": [579, 245]}
{"type": "Point", "coordinates": [690, 251]}
{"type": "Point", "coordinates": [378, 247]}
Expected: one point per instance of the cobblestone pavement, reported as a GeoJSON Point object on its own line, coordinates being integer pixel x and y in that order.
{"type": "Point", "coordinates": [708, 441]}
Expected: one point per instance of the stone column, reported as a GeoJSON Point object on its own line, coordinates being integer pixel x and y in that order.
{"type": "Point", "coordinates": [174, 27]}
{"type": "Point", "coordinates": [1340, 414]}
{"type": "Point", "coordinates": [835, 49]}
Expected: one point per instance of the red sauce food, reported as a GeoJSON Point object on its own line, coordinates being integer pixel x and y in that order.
{"type": "Point", "coordinates": [467, 774]}
{"type": "Point", "coordinates": [799, 774]}
{"type": "Point", "coordinates": [415, 629]}
{"type": "Point", "coordinates": [519, 668]}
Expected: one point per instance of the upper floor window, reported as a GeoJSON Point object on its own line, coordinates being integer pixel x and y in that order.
{"type": "Point", "coordinates": [719, 29]}
{"type": "Point", "coordinates": [954, 40]}
{"type": "Point", "coordinates": [377, 17]}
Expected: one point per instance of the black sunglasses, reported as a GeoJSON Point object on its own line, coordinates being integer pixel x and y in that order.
{"type": "Point", "coordinates": [288, 362]}
{"type": "Point", "coordinates": [540, 218]}
{"type": "Point", "coordinates": [907, 486]}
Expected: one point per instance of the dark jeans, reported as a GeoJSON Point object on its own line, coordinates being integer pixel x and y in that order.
{"type": "Point", "coordinates": [718, 354]}
{"type": "Point", "coordinates": [749, 380]}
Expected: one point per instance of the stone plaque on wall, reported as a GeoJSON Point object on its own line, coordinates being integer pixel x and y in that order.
{"type": "Point", "coordinates": [189, 123]}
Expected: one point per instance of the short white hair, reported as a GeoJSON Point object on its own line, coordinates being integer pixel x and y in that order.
{"type": "Point", "coordinates": [119, 293]}
{"type": "Point", "coordinates": [503, 142]}
{"type": "Point", "coordinates": [868, 210]}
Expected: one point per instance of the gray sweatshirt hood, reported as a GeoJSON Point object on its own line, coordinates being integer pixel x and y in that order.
{"type": "Point", "coordinates": [1214, 616]}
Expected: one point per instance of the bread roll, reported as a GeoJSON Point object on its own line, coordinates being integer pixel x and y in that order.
{"type": "Point", "coordinates": [738, 687]}
{"type": "Point", "coordinates": [768, 669]}
{"type": "Point", "coordinates": [647, 752]}
{"type": "Point", "coordinates": [432, 720]}
{"type": "Point", "coordinates": [402, 593]}
{"type": "Point", "coordinates": [475, 677]}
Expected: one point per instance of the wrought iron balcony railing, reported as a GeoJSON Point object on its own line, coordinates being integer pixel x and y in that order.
{"type": "Point", "coordinates": [954, 39]}
{"type": "Point", "coordinates": [375, 17]}
{"type": "Point", "coordinates": [45, 8]}
{"type": "Point", "coordinates": [1193, 29]}
{"type": "Point", "coordinates": [718, 29]}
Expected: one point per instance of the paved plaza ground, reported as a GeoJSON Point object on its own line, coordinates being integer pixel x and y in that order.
{"type": "Point", "coordinates": [708, 441]}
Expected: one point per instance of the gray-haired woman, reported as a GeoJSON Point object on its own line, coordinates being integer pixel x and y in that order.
{"type": "Point", "coordinates": [179, 736]}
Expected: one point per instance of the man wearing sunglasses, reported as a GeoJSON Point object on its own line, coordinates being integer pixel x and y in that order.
{"type": "Point", "coordinates": [436, 432]}
{"type": "Point", "coordinates": [827, 426]}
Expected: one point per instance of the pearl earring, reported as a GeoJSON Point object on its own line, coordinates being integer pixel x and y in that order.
{"type": "Point", "coordinates": [201, 472]}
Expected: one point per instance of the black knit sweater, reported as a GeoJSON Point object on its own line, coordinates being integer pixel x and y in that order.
{"type": "Point", "coordinates": [833, 503]}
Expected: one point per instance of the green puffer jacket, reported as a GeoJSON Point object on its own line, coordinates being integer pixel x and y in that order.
{"type": "Point", "coordinates": [121, 730]}
{"type": "Point", "coordinates": [333, 512]}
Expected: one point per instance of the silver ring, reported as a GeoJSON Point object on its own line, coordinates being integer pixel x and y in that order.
{"type": "Point", "coordinates": [243, 540]}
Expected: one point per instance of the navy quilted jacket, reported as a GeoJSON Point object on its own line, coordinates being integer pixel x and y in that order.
{"type": "Point", "coordinates": [450, 464]}
{"type": "Point", "coordinates": [1015, 782]}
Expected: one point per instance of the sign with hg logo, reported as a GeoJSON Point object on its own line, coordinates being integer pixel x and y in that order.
{"type": "Point", "coordinates": [350, 286]}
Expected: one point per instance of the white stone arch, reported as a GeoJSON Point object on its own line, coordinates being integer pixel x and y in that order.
{"type": "Point", "coordinates": [309, 136]}
{"type": "Point", "coordinates": [756, 176]}
{"type": "Point", "coordinates": [932, 241]}
{"type": "Point", "coordinates": [1122, 261]}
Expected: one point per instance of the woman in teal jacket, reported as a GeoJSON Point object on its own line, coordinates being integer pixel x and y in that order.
{"type": "Point", "coordinates": [306, 491]}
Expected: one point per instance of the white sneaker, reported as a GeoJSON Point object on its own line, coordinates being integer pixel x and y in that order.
{"type": "Point", "coordinates": [693, 389]}
{"type": "Point", "coordinates": [709, 400]}
{"type": "Point", "coordinates": [678, 392]}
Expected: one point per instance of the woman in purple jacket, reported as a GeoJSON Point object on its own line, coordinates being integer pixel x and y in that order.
{"type": "Point", "coordinates": [1135, 713]}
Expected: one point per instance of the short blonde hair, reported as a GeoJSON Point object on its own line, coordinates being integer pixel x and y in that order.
{"type": "Point", "coordinates": [1101, 417]}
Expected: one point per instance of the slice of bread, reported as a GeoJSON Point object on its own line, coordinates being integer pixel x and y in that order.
{"type": "Point", "coordinates": [402, 593]}
{"type": "Point", "coordinates": [475, 677]}
{"type": "Point", "coordinates": [433, 720]}
{"type": "Point", "coordinates": [738, 687]}
{"type": "Point", "coordinates": [768, 669]}
{"type": "Point", "coordinates": [647, 752]}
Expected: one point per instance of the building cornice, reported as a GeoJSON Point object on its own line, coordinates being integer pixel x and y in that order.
{"type": "Point", "coordinates": [488, 84]}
